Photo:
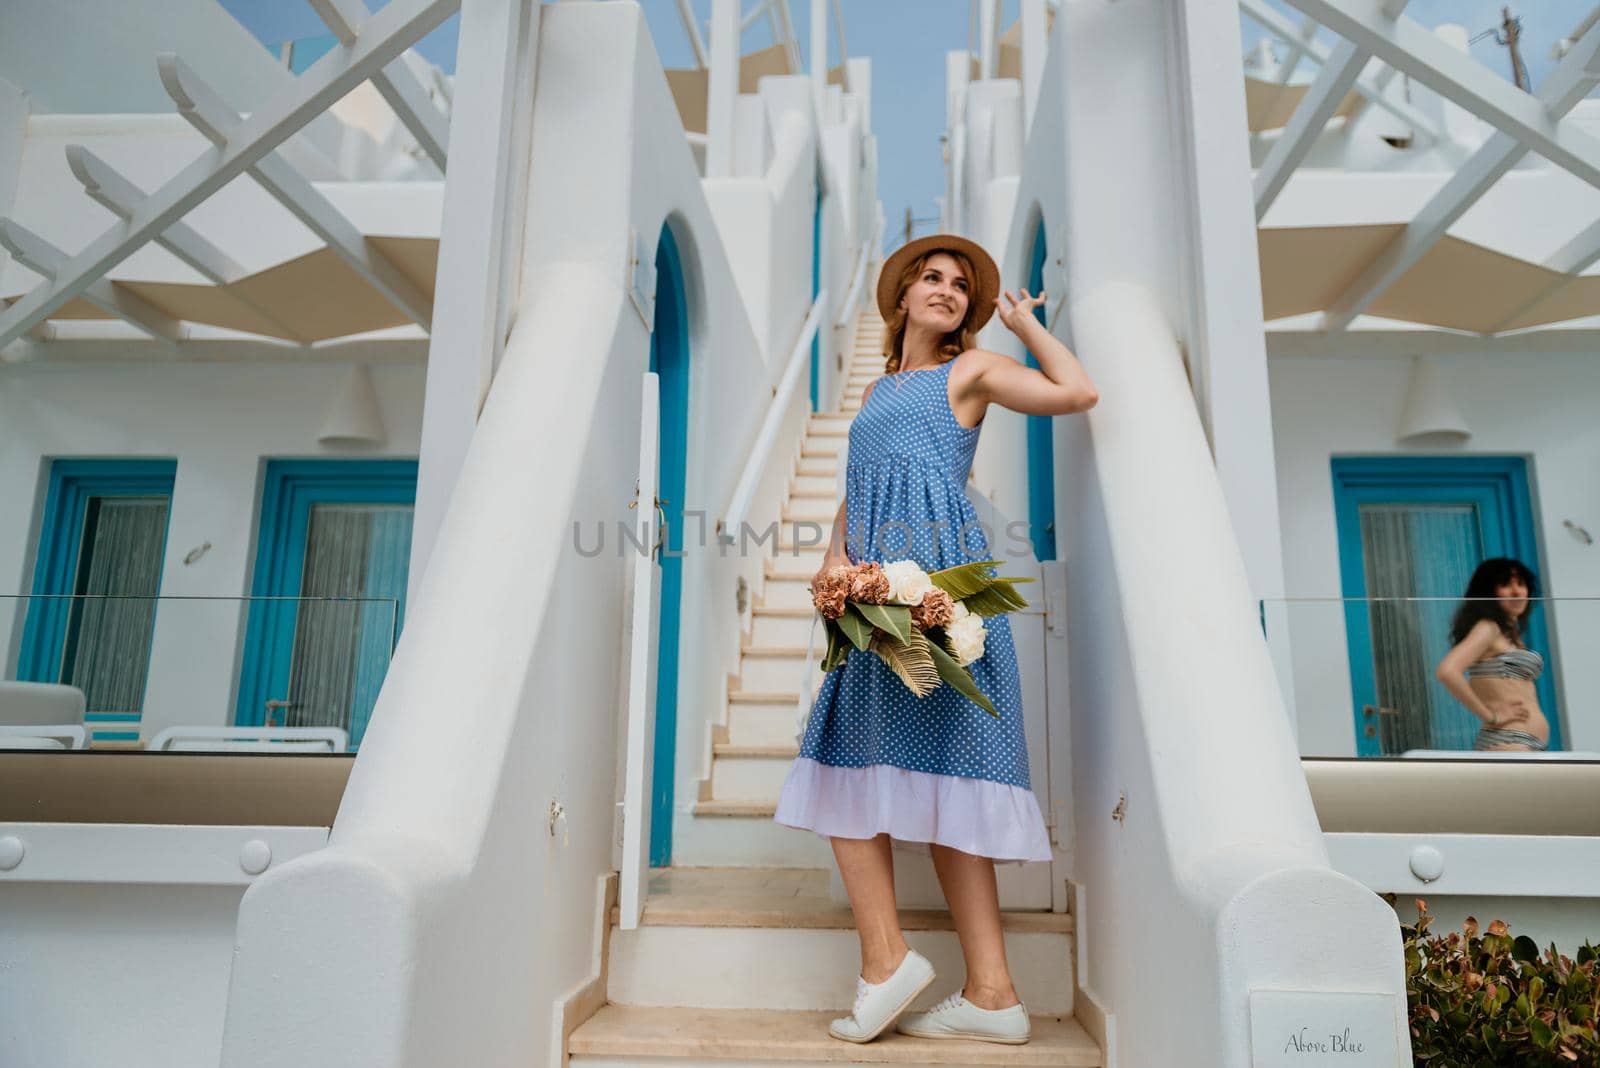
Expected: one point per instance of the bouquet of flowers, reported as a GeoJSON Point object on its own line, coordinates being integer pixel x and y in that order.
{"type": "Point", "coordinates": [928, 628]}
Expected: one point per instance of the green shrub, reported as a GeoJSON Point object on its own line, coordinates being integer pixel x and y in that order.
{"type": "Point", "coordinates": [1478, 1000]}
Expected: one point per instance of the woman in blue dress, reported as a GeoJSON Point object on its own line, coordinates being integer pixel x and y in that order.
{"type": "Point", "coordinates": [878, 765]}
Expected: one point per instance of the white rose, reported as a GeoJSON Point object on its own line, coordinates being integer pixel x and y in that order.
{"type": "Point", "coordinates": [907, 581]}
{"type": "Point", "coordinates": [962, 611]}
{"type": "Point", "coordinates": [966, 636]}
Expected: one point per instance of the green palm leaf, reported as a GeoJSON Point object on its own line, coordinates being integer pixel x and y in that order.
{"type": "Point", "coordinates": [912, 660]}
{"type": "Point", "coordinates": [964, 580]}
{"type": "Point", "coordinates": [951, 671]}
{"type": "Point", "coordinates": [856, 626]}
{"type": "Point", "coordinates": [893, 618]}
{"type": "Point", "coordinates": [838, 646]}
{"type": "Point", "coordinates": [1000, 597]}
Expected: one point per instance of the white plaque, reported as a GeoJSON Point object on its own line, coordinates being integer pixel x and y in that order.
{"type": "Point", "coordinates": [1296, 1027]}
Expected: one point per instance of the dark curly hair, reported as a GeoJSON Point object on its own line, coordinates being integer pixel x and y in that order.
{"type": "Point", "coordinates": [1481, 602]}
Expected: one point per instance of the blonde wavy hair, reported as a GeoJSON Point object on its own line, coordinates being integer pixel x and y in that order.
{"type": "Point", "coordinates": [952, 344]}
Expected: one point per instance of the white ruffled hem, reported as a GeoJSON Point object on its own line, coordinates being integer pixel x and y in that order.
{"type": "Point", "coordinates": [977, 816]}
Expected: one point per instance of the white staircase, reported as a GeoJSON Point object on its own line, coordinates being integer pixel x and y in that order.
{"type": "Point", "coordinates": [752, 751]}
{"type": "Point", "coordinates": [746, 966]}
{"type": "Point", "coordinates": [744, 962]}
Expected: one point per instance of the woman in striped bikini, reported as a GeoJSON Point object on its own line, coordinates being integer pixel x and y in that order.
{"type": "Point", "coordinates": [1489, 670]}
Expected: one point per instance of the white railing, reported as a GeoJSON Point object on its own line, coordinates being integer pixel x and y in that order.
{"type": "Point", "coordinates": [755, 467]}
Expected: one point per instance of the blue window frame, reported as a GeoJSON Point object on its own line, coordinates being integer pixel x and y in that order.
{"type": "Point", "coordinates": [669, 358]}
{"type": "Point", "coordinates": [1459, 510]}
{"type": "Point", "coordinates": [297, 495]}
{"type": "Point", "coordinates": [1040, 435]}
{"type": "Point", "coordinates": [58, 627]}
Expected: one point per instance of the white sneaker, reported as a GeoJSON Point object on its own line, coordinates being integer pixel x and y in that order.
{"type": "Point", "coordinates": [877, 1004]}
{"type": "Point", "coordinates": [956, 1017]}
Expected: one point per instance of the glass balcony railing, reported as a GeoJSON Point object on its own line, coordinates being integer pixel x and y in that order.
{"type": "Point", "coordinates": [269, 674]}
{"type": "Point", "coordinates": [1387, 677]}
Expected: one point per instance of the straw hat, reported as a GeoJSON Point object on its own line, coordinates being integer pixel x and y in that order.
{"type": "Point", "coordinates": [984, 288]}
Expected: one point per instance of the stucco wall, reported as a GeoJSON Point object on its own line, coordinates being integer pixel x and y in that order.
{"type": "Point", "coordinates": [220, 424]}
{"type": "Point", "coordinates": [1539, 406]}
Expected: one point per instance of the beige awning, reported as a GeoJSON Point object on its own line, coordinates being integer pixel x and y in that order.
{"type": "Point", "coordinates": [1457, 284]}
{"type": "Point", "coordinates": [1269, 105]}
{"type": "Point", "coordinates": [314, 297]}
{"type": "Point", "coordinates": [689, 85]}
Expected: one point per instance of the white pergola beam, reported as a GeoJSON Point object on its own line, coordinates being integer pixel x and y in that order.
{"type": "Point", "coordinates": [1306, 124]}
{"type": "Point", "coordinates": [791, 42]}
{"type": "Point", "coordinates": [1579, 254]}
{"type": "Point", "coordinates": [753, 16]}
{"type": "Point", "coordinates": [692, 28]}
{"type": "Point", "coordinates": [122, 198]}
{"type": "Point", "coordinates": [1569, 83]}
{"type": "Point", "coordinates": [207, 112]}
{"type": "Point", "coordinates": [818, 29]}
{"type": "Point", "coordinates": [1460, 79]}
{"type": "Point", "coordinates": [1298, 46]}
{"type": "Point", "coordinates": [844, 53]}
{"type": "Point", "coordinates": [44, 259]}
{"type": "Point", "coordinates": [722, 87]}
{"type": "Point", "coordinates": [396, 82]}
{"type": "Point", "coordinates": [988, 19]}
{"type": "Point", "coordinates": [391, 30]}
{"type": "Point", "coordinates": [1371, 91]}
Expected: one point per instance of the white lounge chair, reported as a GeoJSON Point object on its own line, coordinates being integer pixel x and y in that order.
{"type": "Point", "coordinates": [41, 715]}
{"type": "Point", "coordinates": [251, 739]}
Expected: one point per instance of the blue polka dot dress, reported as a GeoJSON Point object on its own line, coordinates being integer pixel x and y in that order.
{"type": "Point", "coordinates": [875, 758]}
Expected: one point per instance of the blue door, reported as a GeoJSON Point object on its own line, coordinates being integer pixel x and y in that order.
{"type": "Point", "coordinates": [669, 358]}
{"type": "Point", "coordinates": [1040, 436]}
{"type": "Point", "coordinates": [97, 570]}
{"type": "Point", "coordinates": [328, 595]}
{"type": "Point", "coordinates": [1417, 527]}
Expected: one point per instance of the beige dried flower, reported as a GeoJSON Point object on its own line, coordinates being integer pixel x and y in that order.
{"type": "Point", "coordinates": [830, 592]}
{"type": "Point", "coordinates": [869, 584]}
{"type": "Point", "coordinates": [937, 609]}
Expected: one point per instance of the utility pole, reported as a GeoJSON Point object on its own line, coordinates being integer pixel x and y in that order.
{"type": "Point", "coordinates": [1510, 35]}
{"type": "Point", "coordinates": [908, 222]}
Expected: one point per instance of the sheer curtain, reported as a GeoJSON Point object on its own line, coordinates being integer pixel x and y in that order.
{"type": "Point", "coordinates": [342, 648]}
{"type": "Point", "coordinates": [107, 651]}
{"type": "Point", "coordinates": [1417, 551]}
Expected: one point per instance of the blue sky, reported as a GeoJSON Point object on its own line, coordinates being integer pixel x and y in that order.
{"type": "Point", "coordinates": [907, 40]}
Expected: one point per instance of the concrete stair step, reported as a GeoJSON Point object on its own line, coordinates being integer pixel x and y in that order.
{"type": "Point", "coordinates": [778, 667]}
{"type": "Point", "coordinates": [814, 466]}
{"type": "Point", "coordinates": [822, 444]}
{"type": "Point", "coordinates": [797, 967]}
{"type": "Point", "coordinates": [812, 485]}
{"type": "Point", "coordinates": [793, 555]}
{"type": "Point", "coordinates": [763, 719]}
{"type": "Point", "coordinates": [817, 506]}
{"type": "Point", "coordinates": [778, 1038]}
{"type": "Point", "coordinates": [737, 809]}
{"type": "Point", "coordinates": [785, 592]}
{"type": "Point", "coordinates": [733, 835]}
{"type": "Point", "coordinates": [750, 772]}
{"type": "Point", "coordinates": [790, 623]}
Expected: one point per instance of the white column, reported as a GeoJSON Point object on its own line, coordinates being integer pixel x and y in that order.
{"type": "Point", "coordinates": [988, 13]}
{"type": "Point", "coordinates": [819, 59]}
{"type": "Point", "coordinates": [1035, 46]}
{"type": "Point", "coordinates": [1227, 346]}
{"type": "Point", "coordinates": [722, 87]}
{"type": "Point", "coordinates": [494, 56]}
